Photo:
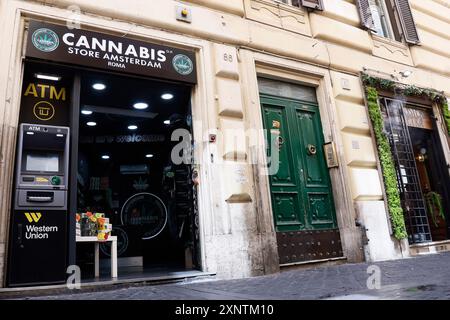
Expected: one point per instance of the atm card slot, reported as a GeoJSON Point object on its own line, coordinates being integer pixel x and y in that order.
{"type": "Point", "coordinates": [40, 197]}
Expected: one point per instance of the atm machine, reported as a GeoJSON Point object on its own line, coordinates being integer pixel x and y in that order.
{"type": "Point", "coordinates": [38, 243]}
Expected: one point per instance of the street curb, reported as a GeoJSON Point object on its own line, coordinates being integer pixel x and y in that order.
{"type": "Point", "coordinates": [33, 292]}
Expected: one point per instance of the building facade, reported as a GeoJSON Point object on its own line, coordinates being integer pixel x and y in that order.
{"type": "Point", "coordinates": [279, 85]}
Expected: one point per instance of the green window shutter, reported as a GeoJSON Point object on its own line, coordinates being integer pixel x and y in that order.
{"type": "Point", "coordinates": [407, 20]}
{"type": "Point", "coordinates": [311, 4]}
{"type": "Point", "coordinates": [365, 14]}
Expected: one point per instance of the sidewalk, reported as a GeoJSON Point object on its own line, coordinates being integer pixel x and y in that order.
{"type": "Point", "coordinates": [425, 277]}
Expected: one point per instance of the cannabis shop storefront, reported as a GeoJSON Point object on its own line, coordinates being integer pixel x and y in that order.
{"type": "Point", "coordinates": [94, 144]}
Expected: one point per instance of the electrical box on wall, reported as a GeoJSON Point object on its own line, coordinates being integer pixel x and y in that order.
{"type": "Point", "coordinates": [183, 13]}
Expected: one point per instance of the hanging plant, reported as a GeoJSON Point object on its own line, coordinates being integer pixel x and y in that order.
{"type": "Point", "coordinates": [387, 166]}
{"type": "Point", "coordinates": [435, 208]}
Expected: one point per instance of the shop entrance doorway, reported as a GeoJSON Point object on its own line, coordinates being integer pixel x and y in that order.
{"type": "Point", "coordinates": [126, 171]}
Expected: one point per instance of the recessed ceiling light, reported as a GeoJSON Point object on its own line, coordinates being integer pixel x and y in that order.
{"type": "Point", "coordinates": [47, 77]}
{"type": "Point", "coordinates": [140, 105]}
{"type": "Point", "coordinates": [132, 127]}
{"type": "Point", "coordinates": [91, 124]}
{"type": "Point", "coordinates": [149, 156]}
{"type": "Point", "coordinates": [86, 112]}
{"type": "Point", "coordinates": [105, 157]}
{"type": "Point", "coordinates": [167, 96]}
{"type": "Point", "coordinates": [167, 122]}
{"type": "Point", "coordinates": [99, 86]}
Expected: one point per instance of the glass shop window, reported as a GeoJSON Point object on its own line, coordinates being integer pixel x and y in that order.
{"type": "Point", "coordinates": [383, 16]}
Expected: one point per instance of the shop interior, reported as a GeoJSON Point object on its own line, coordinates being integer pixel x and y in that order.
{"type": "Point", "coordinates": [126, 172]}
{"type": "Point", "coordinates": [433, 180]}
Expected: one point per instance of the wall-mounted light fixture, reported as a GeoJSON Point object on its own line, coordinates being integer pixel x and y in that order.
{"type": "Point", "coordinates": [405, 74]}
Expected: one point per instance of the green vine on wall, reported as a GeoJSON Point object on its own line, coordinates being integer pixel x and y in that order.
{"type": "Point", "coordinates": [446, 112]}
{"type": "Point", "coordinates": [410, 90]}
{"type": "Point", "coordinates": [387, 165]}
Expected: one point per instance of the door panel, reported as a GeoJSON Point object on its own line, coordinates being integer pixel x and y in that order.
{"type": "Point", "coordinates": [310, 135]}
{"type": "Point", "coordinates": [288, 207]}
{"type": "Point", "coordinates": [322, 211]}
{"type": "Point", "coordinates": [275, 115]}
{"type": "Point", "coordinates": [317, 187]}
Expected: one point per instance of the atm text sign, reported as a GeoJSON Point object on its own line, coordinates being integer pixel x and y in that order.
{"type": "Point", "coordinates": [45, 91]}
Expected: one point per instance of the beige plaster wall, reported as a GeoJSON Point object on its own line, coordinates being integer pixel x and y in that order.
{"type": "Point", "coordinates": [330, 40]}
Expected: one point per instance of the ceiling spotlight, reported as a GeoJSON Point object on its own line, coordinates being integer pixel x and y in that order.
{"type": "Point", "coordinates": [99, 86]}
{"type": "Point", "coordinates": [132, 127]}
{"type": "Point", "coordinates": [86, 112]}
{"type": "Point", "coordinates": [167, 96]}
{"type": "Point", "coordinates": [406, 74]}
{"type": "Point", "coordinates": [47, 77]}
{"type": "Point", "coordinates": [105, 157]}
{"type": "Point", "coordinates": [167, 122]}
{"type": "Point", "coordinates": [149, 156]}
{"type": "Point", "coordinates": [91, 124]}
{"type": "Point", "coordinates": [140, 105]}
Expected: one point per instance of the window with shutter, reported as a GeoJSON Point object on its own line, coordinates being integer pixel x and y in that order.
{"type": "Point", "coordinates": [382, 23]}
{"type": "Point", "coordinates": [407, 20]}
{"type": "Point", "coordinates": [387, 20]}
{"type": "Point", "coordinates": [365, 14]}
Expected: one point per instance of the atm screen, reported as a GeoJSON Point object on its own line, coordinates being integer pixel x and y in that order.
{"type": "Point", "coordinates": [42, 162]}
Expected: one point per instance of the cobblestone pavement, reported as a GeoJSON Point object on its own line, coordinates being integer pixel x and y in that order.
{"type": "Point", "coordinates": [425, 277]}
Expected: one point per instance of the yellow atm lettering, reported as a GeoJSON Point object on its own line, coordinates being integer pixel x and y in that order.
{"type": "Point", "coordinates": [45, 91]}
{"type": "Point", "coordinates": [54, 95]}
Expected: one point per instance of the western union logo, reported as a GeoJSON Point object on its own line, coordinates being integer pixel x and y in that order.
{"type": "Point", "coordinates": [33, 216]}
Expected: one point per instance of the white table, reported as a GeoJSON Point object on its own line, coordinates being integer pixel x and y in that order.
{"type": "Point", "coordinates": [113, 240]}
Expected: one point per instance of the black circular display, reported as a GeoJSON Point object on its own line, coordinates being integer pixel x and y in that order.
{"type": "Point", "coordinates": [145, 210]}
{"type": "Point", "coordinates": [122, 242]}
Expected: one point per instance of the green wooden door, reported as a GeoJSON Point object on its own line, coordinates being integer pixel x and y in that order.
{"type": "Point", "coordinates": [302, 197]}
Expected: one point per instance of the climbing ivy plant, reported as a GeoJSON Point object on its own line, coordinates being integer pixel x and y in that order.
{"type": "Point", "coordinates": [373, 84]}
{"type": "Point", "coordinates": [387, 165]}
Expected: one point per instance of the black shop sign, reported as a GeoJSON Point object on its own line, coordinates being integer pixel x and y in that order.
{"type": "Point", "coordinates": [45, 102]}
{"type": "Point", "coordinates": [85, 48]}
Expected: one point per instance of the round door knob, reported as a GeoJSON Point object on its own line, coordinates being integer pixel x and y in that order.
{"type": "Point", "coordinates": [312, 150]}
